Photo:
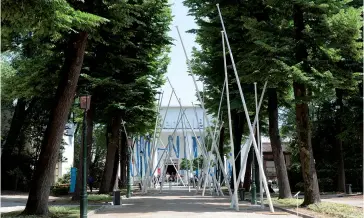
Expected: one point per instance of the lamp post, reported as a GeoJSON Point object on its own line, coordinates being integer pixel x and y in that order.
{"type": "Point", "coordinates": [128, 194]}
{"type": "Point", "coordinates": [254, 187]}
{"type": "Point", "coordinates": [84, 104]}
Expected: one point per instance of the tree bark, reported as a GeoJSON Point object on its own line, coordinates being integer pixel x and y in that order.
{"type": "Point", "coordinates": [110, 156]}
{"type": "Point", "coordinates": [77, 194]}
{"type": "Point", "coordinates": [339, 143]}
{"type": "Point", "coordinates": [275, 141]}
{"type": "Point", "coordinates": [311, 188]}
{"type": "Point", "coordinates": [248, 172]}
{"type": "Point", "coordinates": [15, 127]}
{"type": "Point", "coordinates": [114, 178]}
{"type": "Point", "coordinates": [123, 160]}
{"type": "Point", "coordinates": [37, 203]}
{"type": "Point", "coordinates": [238, 127]}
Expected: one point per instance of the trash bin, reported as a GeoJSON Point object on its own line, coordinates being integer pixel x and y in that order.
{"type": "Point", "coordinates": [241, 194]}
{"type": "Point", "coordinates": [116, 198]}
{"type": "Point", "coordinates": [348, 189]}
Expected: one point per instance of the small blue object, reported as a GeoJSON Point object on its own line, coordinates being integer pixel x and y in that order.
{"type": "Point", "coordinates": [73, 179]}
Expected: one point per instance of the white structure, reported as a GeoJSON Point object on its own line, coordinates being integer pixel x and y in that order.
{"type": "Point", "coordinates": [64, 167]}
{"type": "Point", "coordinates": [177, 137]}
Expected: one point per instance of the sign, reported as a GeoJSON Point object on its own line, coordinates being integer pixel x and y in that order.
{"type": "Point", "coordinates": [73, 179]}
{"type": "Point", "coordinates": [85, 102]}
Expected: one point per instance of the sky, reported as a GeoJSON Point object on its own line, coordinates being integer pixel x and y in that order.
{"type": "Point", "coordinates": [177, 69]}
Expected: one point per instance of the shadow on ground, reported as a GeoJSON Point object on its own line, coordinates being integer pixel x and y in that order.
{"type": "Point", "coordinates": [177, 202]}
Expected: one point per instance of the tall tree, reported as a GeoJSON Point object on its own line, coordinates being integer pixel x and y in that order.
{"type": "Point", "coordinates": [276, 144]}
{"type": "Point", "coordinates": [112, 148]}
{"type": "Point", "coordinates": [53, 19]}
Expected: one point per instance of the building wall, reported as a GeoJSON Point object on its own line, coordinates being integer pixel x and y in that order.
{"type": "Point", "coordinates": [64, 167]}
{"type": "Point", "coordinates": [176, 139]}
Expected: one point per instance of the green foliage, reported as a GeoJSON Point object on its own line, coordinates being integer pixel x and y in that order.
{"type": "Point", "coordinates": [125, 65]}
{"type": "Point", "coordinates": [262, 39]}
{"type": "Point", "coordinates": [42, 19]}
{"type": "Point", "coordinates": [59, 190]}
{"type": "Point", "coordinates": [65, 179]}
{"type": "Point", "coordinates": [197, 163]}
{"type": "Point", "coordinates": [185, 164]}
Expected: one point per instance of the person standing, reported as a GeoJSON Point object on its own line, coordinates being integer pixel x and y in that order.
{"type": "Point", "coordinates": [90, 181]}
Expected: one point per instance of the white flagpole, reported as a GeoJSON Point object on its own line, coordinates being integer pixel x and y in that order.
{"type": "Point", "coordinates": [151, 161]}
{"type": "Point", "coordinates": [259, 144]}
{"type": "Point", "coordinates": [203, 107]}
{"type": "Point", "coordinates": [215, 132]}
{"type": "Point", "coordinates": [260, 163]}
{"type": "Point", "coordinates": [236, 201]}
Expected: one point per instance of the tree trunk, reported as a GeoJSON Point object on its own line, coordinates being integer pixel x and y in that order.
{"type": "Point", "coordinates": [339, 143]}
{"type": "Point", "coordinates": [123, 160]}
{"type": "Point", "coordinates": [238, 127]}
{"type": "Point", "coordinates": [37, 203]}
{"type": "Point", "coordinates": [221, 150]}
{"type": "Point", "coordinates": [14, 139]}
{"type": "Point", "coordinates": [15, 127]}
{"type": "Point", "coordinates": [110, 156]}
{"type": "Point", "coordinates": [77, 194]}
{"type": "Point", "coordinates": [311, 188]}
{"type": "Point", "coordinates": [248, 172]}
{"type": "Point", "coordinates": [114, 178]}
{"type": "Point", "coordinates": [275, 141]}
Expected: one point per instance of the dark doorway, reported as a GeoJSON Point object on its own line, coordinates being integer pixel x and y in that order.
{"type": "Point", "coordinates": [172, 172]}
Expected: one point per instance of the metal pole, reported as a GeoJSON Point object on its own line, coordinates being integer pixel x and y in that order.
{"type": "Point", "coordinates": [246, 113]}
{"type": "Point", "coordinates": [154, 137]}
{"type": "Point", "coordinates": [83, 207]}
{"type": "Point", "coordinates": [202, 105]}
{"type": "Point", "coordinates": [174, 132]}
{"type": "Point", "coordinates": [230, 125]}
{"type": "Point", "coordinates": [129, 163]}
{"type": "Point", "coordinates": [254, 187]}
{"type": "Point", "coordinates": [204, 153]}
{"type": "Point", "coordinates": [260, 146]}
{"type": "Point", "coordinates": [185, 154]}
{"type": "Point", "coordinates": [141, 169]}
{"type": "Point", "coordinates": [129, 187]}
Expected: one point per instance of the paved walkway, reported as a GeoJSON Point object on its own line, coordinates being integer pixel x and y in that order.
{"type": "Point", "coordinates": [181, 203]}
{"type": "Point", "coordinates": [16, 201]}
{"type": "Point", "coordinates": [356, 201]}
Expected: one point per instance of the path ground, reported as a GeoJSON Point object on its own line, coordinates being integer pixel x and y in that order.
{"type": "Point", "coordinates": [16, 201]}
{"type": "Point", "coordinates": [181, 203]}
{"type": "Point", "coordinates": [354, 200]}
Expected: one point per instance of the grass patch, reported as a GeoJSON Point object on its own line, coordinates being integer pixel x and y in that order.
{"type": "Point", "coordinates": [289, 202]}
{"type": "Point", "coordinates": [325, 208]}
{"type": "Point", "coordinates": [99, 198]}
{"type": "Point", "coordinates": [55, 212]}
{"type": "Point", "coordinates": [103, 197]}
{"type": "Point", "coordinates": [336, 210]}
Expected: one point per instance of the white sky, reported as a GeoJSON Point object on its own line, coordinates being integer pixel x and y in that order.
{"type": "Point", "coordinates": [177, 69]}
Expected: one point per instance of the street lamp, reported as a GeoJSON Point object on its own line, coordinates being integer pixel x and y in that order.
{"type": "Point", "coordinates": [130, 143]}
{"type": "Point", "coordinates": [84, 104]}
{"type": "Point", "coordinates": [254, 187]}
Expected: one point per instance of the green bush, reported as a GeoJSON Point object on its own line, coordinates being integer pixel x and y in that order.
{"type": "Point", "coordinates": [59, 190]}
{"type": "Point", "coordinates": [65, 179]}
